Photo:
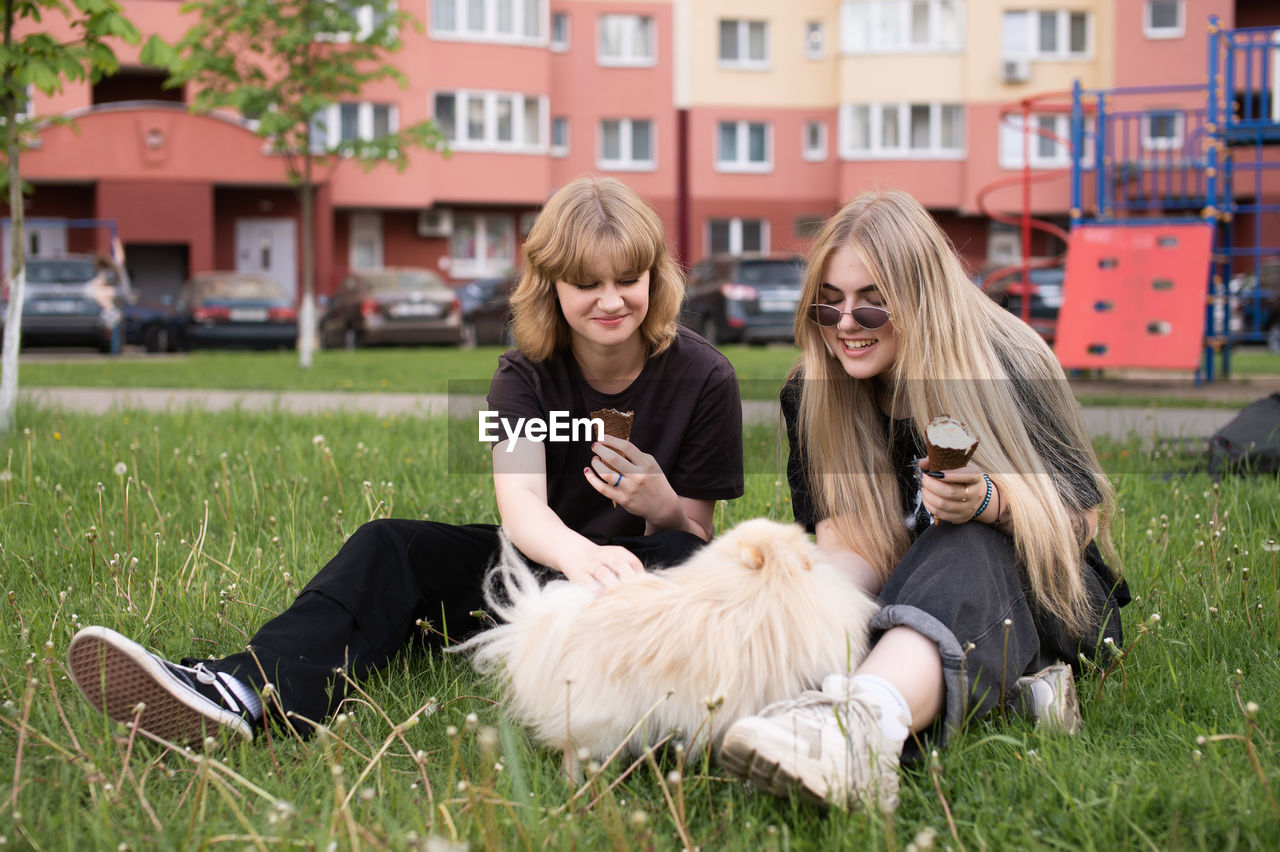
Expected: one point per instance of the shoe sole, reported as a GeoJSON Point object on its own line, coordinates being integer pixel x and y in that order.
{"type": "Point", "coordinates": [1068, 721]}
{"type": "Point", "coordinates": [115, 674]}
{"type": "Point", "coordinates": [740, 759]}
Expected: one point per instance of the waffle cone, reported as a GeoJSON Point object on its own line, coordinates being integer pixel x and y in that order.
{"type": "Point", "coordinates": [948, 457]}
{"type": "Point", "coordinates": [616, 423]}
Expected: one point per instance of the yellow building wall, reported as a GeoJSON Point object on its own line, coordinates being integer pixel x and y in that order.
{"type": "Point", "coordinates": [792, 78]}
{"type": "Point", "coordinates": [984, 25]}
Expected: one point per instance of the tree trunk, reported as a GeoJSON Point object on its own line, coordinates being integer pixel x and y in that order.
{"type": "Point", "coordinates": [307, 311]}
{"type": "Point", "coordinates": [18, 265]}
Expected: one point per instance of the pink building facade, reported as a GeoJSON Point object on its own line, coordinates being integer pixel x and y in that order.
{"type": "Point", "coordinates": [744, 123]}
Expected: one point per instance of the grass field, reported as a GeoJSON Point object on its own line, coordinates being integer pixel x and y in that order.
{"type": "Point", "coordinates": [760, 369]}
{"type": "Point", "coordinates": [393, 370]}
{"type": "Point", "coordinates": [185, 531]}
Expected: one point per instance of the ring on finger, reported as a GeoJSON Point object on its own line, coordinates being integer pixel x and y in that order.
{"type": "Point", "coordinates": [616, 481]}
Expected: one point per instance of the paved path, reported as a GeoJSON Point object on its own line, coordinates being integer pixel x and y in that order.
{"type": "Point", "coordinates": [1118, 422]}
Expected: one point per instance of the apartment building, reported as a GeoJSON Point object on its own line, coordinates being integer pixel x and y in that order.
{"type": "Point", "coordinates": [744, 122]}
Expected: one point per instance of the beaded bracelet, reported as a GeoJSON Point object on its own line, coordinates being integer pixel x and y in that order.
{"type": "Point", "coordinates": [985, 500]}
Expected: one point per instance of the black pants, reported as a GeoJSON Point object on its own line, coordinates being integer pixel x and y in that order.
{"type": "Point", "coordinates": [961, 586]}
{"type": "Point", "coordinates": [365, 605]}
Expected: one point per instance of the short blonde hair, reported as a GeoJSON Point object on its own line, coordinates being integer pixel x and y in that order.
{"type": "Point", "coordinates": [584, 221]}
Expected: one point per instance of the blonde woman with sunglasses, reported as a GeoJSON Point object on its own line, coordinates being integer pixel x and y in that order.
{"type": "Point", "coordinates": [989, 575]}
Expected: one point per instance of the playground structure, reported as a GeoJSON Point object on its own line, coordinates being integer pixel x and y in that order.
{"type": "Point", "coordinates": [1168, 206]}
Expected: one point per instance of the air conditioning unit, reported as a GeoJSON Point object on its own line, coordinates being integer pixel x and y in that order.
{"type": "Point", "coordinates": [435, 222]}
{"type": "Point", "coordinates": [1015, 70]}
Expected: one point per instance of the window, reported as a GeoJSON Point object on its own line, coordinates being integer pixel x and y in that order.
{"type": "Point", "coordinates": [518, 21]}
{"type": "Point", "coordinates": [559, 136]}
{"type": "Point", "coordinates": [743, 146]}
{"type": "Point", "coordinates": [902, 131]}
{"type": "Point", "coordinates": [815, 140]}
{"type": "Point", "coordinates": [815, 40]}
{"type": "Point", "coordinates": [353, 20]}
{"type": "Point", "coordinates": [744, 44]}
{"type": "Point", "coordinates": [626, 40]}
{"type": "Point", "coordinates": [1049, 143]}
{"type": "Point", "coordinates": [626, 144]}
{"type": "Point", "coordinates": [347, 123]}
{"type": "Point", "coordinates": [1163, 19]}
{"type": "Point", "coordinates": [895, 26]}
{"type": "Point", "coordinates": [560, 31]}
{"type": "Point", "coordinates": [22, 110]}
{"type": "Point", "coordinates": [737, 236]}
{"type": "Point", "coordinates": [1047, 34]}
{"type": "Point", "coordinates": [491, 121]}
{"type": "Point", "coordinates": [481, 245]}
{"type": "Point", "coordinates": [1162, 130]}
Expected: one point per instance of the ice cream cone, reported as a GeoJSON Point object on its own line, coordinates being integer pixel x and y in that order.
{"type": "Point", "coordinates": [949, 443]}
{"type": "Point", "coordinates": [616, 423]}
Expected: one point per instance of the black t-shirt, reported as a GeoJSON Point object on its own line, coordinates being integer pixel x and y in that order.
{"type": "Point", "coordinates": [688, 416]}
{"type": "Point", "coordinates": [905, 448]}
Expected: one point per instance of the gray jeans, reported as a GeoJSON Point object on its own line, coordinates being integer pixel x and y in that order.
{"type": "Point", "coordinates": [958, 585]}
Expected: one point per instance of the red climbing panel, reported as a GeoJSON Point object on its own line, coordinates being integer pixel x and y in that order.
{"type": "Point", "coordinates": [1134, 296]}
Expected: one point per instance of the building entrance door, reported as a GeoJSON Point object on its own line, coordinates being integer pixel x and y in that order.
{"type": "Point", "coordinates": [269, 246]}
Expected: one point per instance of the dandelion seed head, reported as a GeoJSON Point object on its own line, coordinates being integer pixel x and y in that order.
{"type": "Point", "coordinates": [6, 475]}
{"type": "Point", "coordinates": [1200, 740]}
{"type": "Point", "coordinates": [1251, 710]}
{"type": "Point", "coordinates": [317, 440]}
{"type": "Point", "coordinates": [638, 819]}
{"type": "Point", "coordinates": [673, 777]}
{"type": "Point", "coordinates": [1271, 546]}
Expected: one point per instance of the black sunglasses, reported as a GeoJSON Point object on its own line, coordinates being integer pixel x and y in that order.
{"type": "Point", "coordinates": [866, 316]}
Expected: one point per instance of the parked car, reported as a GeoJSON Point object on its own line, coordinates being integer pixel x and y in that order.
{"type": "Point", "coordinates": [1255, 305]}
{"type": "Point", "coordinates": [475, 293]}
{"type": "Point", "coordinates": [744, 299]}
{"type": "Point", "coordinates": [491, 319]}
{"type": "Point", "coordinates": [73, 300]}
{"type": "Point", "coordinates": [392, 305]}
{"type": "Point", "coordinates": [234, 309]}
{"type": "Point", "coordinates": [151, 325]}
{"type": "Point", "coordinates": [1046, 298]}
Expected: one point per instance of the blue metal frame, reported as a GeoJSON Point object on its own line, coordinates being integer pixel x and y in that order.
{"type": "Point", "coordinates": [1222, 144]}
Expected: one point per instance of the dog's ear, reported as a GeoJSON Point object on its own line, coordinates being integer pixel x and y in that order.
{"type": "Point", "coordinates": [750, 554]}
{"type": "Point", "coordinates": [764, 545]}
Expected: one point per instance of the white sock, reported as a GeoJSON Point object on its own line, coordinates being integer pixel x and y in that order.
{"type": "Point", "coordinates": [895, 714]}
{"type": "Point", "coordinates": [244, 694]}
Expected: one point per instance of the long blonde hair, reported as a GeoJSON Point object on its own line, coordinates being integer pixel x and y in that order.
{"type": "Point", "coordinates": [958, 354]}
{"type": "Point", "coordinates": [584, 220]}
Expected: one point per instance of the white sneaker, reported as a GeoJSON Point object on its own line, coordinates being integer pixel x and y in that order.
{"type": "Point", "coordinates": [1048, 698]}
{"type": "Point", "coordinates": [825, 745]}
{"type": "Point", "coordinates": [183, 704]}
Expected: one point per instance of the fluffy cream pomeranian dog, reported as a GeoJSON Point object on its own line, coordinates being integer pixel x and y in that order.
{"type": "Point", "coordinates": [753, 617]}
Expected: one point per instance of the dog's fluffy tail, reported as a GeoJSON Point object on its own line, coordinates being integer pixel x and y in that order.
{"type": "Point", "coordinates": [523, 607]}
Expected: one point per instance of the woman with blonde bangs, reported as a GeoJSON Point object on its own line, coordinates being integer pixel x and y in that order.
{"type": "Point", "coordinates": [990, 579]}
{"type": "Point", "coordinates": [595, 323]}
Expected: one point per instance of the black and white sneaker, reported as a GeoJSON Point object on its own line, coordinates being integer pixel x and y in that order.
{"type": "Point", "coordinates": [182, 704]}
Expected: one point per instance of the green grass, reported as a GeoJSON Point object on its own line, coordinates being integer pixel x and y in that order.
{"type": "Point", "coordinates": [219, 518]}
{"type": "Point", "coordinates": [390, 370]}
{"type": "Point", "coordinates": [1254, 361]}
{"type": "Point", "coordinates": [761, 371]}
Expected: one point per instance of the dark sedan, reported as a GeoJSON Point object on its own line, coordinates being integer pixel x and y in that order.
{"type": "Point", "coordinates": [392, 306]}
{"type": "Point", "coordinates": [732, 299]}
{"type": "Point", "coordinates": [235, 309]}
